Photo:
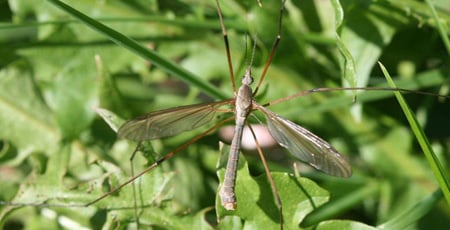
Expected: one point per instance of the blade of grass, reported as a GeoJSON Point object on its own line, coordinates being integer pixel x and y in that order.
{"type": "Point", "coordinates": [349, 71]}
{"type": "Point", "coordinates": [413, 214]}
{"type": "Point", "coordinates": [336, 206]}
{"type": "Point", "coordinates": [439, 25]}
{"type": "Point", "coordinates": [420, 11]}
{"type": "Point", "coordinates": [433, 160]}
{"type": "Point", "coordinates": [130, 44]}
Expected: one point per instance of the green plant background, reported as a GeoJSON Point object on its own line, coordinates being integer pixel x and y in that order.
{"type": "Point", "coordinates": [56, 68]}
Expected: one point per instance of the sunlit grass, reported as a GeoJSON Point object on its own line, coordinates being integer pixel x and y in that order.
{"type": "Point", "coordinates": [59, 64]}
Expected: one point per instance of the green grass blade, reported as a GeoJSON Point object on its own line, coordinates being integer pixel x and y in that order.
{"type": "Point", "coordinates": [413, 214]}
{"type": "Point", "coordinates": [349, 71]}
{"type": "Point", "coordinates": [130, 44]}
{"type": "Point", "coordinates": [336, 207]}
{"type": "Point", "coordinates": [436, 166]}
{"type": "Point", "coordinates": [440, 27]}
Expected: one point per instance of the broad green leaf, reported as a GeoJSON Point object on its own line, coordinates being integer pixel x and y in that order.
{"type": "Point", "coordinates": [256, 205]}
{"type": "Point", "coordinates": [55, 68]}
{"type": "Point", "coordinates": [25, 118]}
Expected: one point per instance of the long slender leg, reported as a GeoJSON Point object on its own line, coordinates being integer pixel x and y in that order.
{"type": "Point", "coordinates": [316, 90]}
{"type": "Point", "coordinates": [269, 175]}
{"type": "Point", "coordinates": [227, 46]}
{"type": "Point", "coordinates": [133, 184]}
{"type": "Point", "coordinates": [158, 162]}
{"type": "Point", "coordinates": [272, 52]}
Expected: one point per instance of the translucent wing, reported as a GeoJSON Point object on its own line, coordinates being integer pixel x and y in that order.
{"type": "Point", "coordinates": [169, 122]}
{"type": "Point", "coordinates": [306, 146]}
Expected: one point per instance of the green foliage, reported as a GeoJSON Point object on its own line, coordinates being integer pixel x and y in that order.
{"type": "Point", "coordinates": [63, 65]}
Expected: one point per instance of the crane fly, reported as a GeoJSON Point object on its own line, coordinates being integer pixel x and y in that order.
{"type": "Point", "coordinates": [303, 144]}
